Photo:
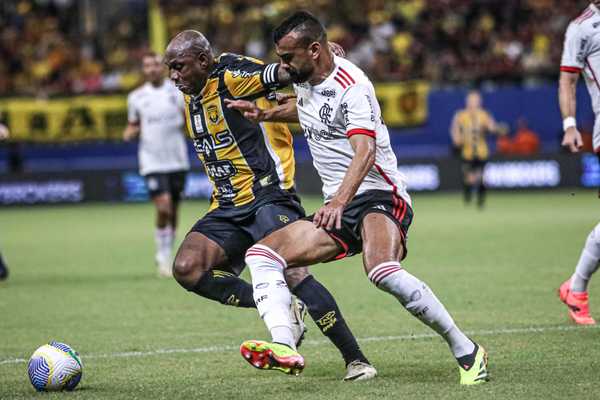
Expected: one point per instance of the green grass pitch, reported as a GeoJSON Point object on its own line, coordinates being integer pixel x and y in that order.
{"type": "Point", "coordinates": [85, 275]}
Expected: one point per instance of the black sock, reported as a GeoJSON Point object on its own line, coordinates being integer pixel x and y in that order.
{"type": "Point", "coordinates": [466, 362]}
{"type": "Point", "coordinates": [3, 269]}
{"type": "Point", "coordinates": [481, 195]}
{"type": "Point", "coordinates": [467, 192]}
{"type": "Point", "coordinates": [226, 288]}
{"type": "Point", "coordinates": [326, 314]}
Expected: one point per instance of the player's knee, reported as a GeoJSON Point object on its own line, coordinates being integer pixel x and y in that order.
{"type": "Point", "coordinates": [187, 270]}
{"type": "Point", "coordinates": [294, 276]}
{"type": "Point", "coordinates": [164, 211]}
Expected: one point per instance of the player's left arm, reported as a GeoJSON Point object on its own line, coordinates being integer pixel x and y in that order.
{"type": "Point", "coordinates": [360, 119]}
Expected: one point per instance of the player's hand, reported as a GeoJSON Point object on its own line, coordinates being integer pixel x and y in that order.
{"type": "Point", "coordinates": [283, 98]}
{"type": "Point", "coordinates": [572, 140]}
{"type": "Point", "coordinates": [3, 132]}
{"type": "Point", "coordinates": [248, 109]}
{"type": "Point", "coordinates": [337, 49]}
{"type": "Point", "coordinates": [130, 133]}
{"type": "Point", "coordinates": [330, 215]}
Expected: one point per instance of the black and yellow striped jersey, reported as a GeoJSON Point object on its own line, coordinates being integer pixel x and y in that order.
{"type": "Point", "coordinates": [473, 127]}
{"type": "Point", "coordinates": [241, 158]}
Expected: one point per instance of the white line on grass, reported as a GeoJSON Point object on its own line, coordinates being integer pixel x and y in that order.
{"type": "Point", "coordinates": [490, 332]}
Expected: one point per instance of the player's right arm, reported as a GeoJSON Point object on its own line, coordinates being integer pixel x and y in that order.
{"type": "Point", "coordinates": [455, 132]}
{"type": "Point", "coordinates": [132, 130]}
{"type": "Point", "coordinates": [572, 63]}
{"type": "Point", "coordinates": [285, 111]}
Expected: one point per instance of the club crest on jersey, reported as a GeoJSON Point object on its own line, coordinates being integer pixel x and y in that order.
{"type": "Point", "coordinates": [213, 114]}
{"type": "Point", "coordinates": [325, 113]}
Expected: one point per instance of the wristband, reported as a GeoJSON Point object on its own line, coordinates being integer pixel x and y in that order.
{"type": "Point", "coordinates": [569, 122]}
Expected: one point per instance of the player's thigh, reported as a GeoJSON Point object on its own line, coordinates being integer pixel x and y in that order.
{"type": "Point", "coordinates": [302, 244]}
{"type": "Point", "coordinates": [382, 240]}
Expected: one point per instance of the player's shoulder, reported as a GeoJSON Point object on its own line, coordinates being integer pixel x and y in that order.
{"type": "Point", "coordinates": [138, 93]}
{"type": "Point", "coordinates": [587, 22]}
{"type": "Point", "coordinates": [350, 77]}
{"type": "Point", "coordinates": [236, 63]}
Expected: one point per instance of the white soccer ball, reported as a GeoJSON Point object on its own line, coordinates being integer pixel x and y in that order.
{"type": "Point", "coordinates": [55, 366]}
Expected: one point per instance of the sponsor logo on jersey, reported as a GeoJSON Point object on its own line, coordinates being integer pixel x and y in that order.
{"type": "Point", "coordinates": [206, 145]}
{"type": "Point", "coordinates": [300, 102]}
{"type": "Point", "coordinates": [581, 53]}
{"type": "Point", "coordinates": [325, 113]}
{"type": "Point", "coordinates": [344, 109]}
{"type": "Point", "coordinates": [220, 170]}
{"type": "Point", "coordinates": [213, 114]}
{"type": "Point", "coordinates": [197, 122]}
{"type": "Point", "coordinates": [328, 92]}
{"type": "Point", "coordinates": [318, 135]}
{"type": "Point", "coordinates": [244, 74]}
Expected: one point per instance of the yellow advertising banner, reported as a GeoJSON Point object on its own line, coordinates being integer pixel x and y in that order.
{"type": "Point", "coordinates": [62, 120]}
{"type": "Point", "coordinates": [84, 118]}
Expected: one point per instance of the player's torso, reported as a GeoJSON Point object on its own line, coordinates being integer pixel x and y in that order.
{"type": "Point", "coordinates": [241, 158]}
{"type": "Point", "coordinates": [589, 52]}
{"type": "Point", "coordinates": [162, 146]}
{"type": "Point", "coordinates": [472, 126]}
{"type": "Point", "coordinates": [323, 112]}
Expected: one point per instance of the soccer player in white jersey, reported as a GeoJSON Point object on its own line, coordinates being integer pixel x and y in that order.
{"type": "Point", "coordinates": [156, 114]}
{"type": "Point", "coordinates": [581, 55]}
{"type": "Point", "coordinates": [367, 207]}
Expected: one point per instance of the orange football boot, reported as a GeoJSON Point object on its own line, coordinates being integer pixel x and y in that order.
{"type": "Point", "coordinates": [578, 303]}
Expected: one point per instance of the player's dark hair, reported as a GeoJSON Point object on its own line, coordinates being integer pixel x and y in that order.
{"type": "Point", "coordinates": [304, 23]}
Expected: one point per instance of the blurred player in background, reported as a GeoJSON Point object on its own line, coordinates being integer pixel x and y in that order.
{"type": "Point", "coordinates": [3, 268]}
{"type": "Point", "coordinates": [468, 133]}
{"type": "Point", "coordinates": [251, 167]}
{"type": "Point", "coordinates": [367, 208]}
{"type": "Point", "coordinates": [156, 114]}
{"type": "Point", "coordinates": [581, 54]}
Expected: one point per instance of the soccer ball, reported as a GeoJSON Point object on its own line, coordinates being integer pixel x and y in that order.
{"type": "Point", "coordinates": [54, 366]}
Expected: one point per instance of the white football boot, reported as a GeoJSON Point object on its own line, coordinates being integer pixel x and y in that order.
{"type": "Point", "coordinates": [298, 312]}
{"type": "Point", "coordinates": [359, 371]}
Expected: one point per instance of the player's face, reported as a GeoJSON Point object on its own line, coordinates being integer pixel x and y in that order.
{"type": "Point", "coordinates": [299, 61]}
{"type": "Point", "coordinates": [152, 68]}
{"type": "Point", "coordinates": [473, 101]}
{"type": "Point", "coordinates": [188, 71]}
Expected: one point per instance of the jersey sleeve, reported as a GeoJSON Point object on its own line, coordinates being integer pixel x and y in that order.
{"type": "Point", "coordinates": [133, 116]}
{"type": "Point", "coordinates": [575, 49]}
{"type": "Point", "coordinates": [357, 107]}
{"type": "Point", "coordinates": [248, 77]}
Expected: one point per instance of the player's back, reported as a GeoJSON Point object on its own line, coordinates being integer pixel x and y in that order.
{"type": "Point", "coordinates": [341, 106]}
{"type": "Point", "coordinates": [243, 160]}
{"type": "Point", "coordinates": [581, 51]}
{"type": "Point", "coordinates": [159, 110]}
{"type": "Point", "coordinates": [472, 125]}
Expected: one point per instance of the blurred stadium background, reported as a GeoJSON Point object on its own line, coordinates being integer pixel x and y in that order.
{"type": "Point", "coordinates": [66, 66]}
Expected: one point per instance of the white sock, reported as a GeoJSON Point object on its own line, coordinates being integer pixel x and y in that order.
{"type": "Point", "coordinates": [420, 301]}
{"type": "Point", "coordinates": [163, 237]}
{"type": "Point", "coordinates": [271, 294]}
{"type": "Point", "coordinates": [588, 262]}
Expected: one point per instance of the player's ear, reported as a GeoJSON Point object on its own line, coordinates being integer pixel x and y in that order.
{"type": "Point", "coordinates": [315, 50]}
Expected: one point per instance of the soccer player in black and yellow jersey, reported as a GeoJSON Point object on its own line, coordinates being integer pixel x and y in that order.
{"type": "Point", "coordinates": [251, 167]}
{"type": "Point", "coordinates": [468, 132]}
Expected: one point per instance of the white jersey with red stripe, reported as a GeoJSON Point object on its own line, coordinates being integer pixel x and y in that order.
{"type": "Point", "coordinates": [341, 106]}
{"type": "Point", "coordinates": [581, 51]}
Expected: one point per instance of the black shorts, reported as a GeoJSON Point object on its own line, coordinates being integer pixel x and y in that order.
{"type": "Point", "coordinates": [166, 182]}
{"type": "Point", "coordinates": [373, 201]}
{"type": "Point", "coordinates": [474, 165]}
{"type": "Point", "coordinates": [236, 230]}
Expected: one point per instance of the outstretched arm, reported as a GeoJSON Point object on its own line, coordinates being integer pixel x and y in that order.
{"type": "Point", "coordinates": [567, 89]}
{"type": "Point", "coordinates": [286, 111]}
{"type": "Point", "coordinates": [131, 131]}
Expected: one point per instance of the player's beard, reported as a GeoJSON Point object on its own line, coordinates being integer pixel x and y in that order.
{"type": "Point", "coordinates": [299, 76]}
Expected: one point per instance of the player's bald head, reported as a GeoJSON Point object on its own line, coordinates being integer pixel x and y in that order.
{"type": "Point", "coordinates": [189, 42]}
